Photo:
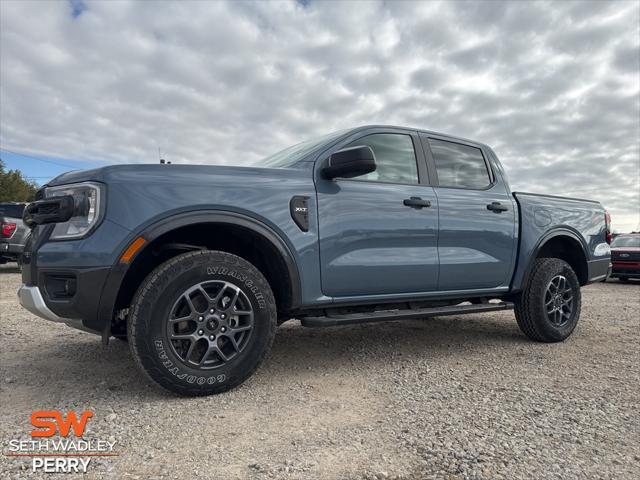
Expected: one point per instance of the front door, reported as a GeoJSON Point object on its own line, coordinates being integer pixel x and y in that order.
{"type": "Point", "coordinates": [378, 232]}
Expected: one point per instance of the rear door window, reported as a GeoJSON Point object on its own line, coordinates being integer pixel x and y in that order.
{"type": "Point", "coordinates": [459, 166]}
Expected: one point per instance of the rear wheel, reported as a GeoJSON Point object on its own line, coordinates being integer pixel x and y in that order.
{"type": "Point", "coordinates": [549, 306]}
{"type": "Point", "coordinates": [202, 322]}
{"type": "Point", "coordinates": [624, 279]}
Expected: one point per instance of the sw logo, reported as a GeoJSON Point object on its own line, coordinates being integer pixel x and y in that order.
{"type": "Point", "coordinates": [52, 421]}
{"type": "Point", "coordinates": [57, 444]}
{"type": "Point", "coordinates": [47, 424]}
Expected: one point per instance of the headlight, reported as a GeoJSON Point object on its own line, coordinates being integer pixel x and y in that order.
{"type": "Point", "coordinates": [88, 206]}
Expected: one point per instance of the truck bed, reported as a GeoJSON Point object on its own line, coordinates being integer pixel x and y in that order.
{"type": "Point", "coordinates": [543, 216]}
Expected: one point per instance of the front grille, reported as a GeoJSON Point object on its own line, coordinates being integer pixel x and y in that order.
{"type": "Point", "coordinates": [618, 256]}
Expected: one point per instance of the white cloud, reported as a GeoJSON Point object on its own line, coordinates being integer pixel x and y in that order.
{"type": "Point", "coordinates": [554, 87]}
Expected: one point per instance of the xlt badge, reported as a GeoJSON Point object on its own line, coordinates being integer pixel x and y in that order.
{"type": "Point", "coordinates": [300, 212]}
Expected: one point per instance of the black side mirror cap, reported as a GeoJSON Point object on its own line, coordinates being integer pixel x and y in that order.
{"type": "Point", "coordinates": [51, 210]}
{"type": "Point", "coordinates": [350, 162]}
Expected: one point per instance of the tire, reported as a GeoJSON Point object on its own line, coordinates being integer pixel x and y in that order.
{"type": "Point", "coordinates": [624, 279]}
{"type": "Point", "coordinates": [202, 322]}
{"type": "Point", "coordinates": [539, 296]}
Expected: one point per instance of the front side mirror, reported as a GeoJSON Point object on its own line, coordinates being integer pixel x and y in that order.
{"type": "Point", "coordinates": [350, 162]}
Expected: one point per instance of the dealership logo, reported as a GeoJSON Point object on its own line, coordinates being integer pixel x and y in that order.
{"type": "Point", "coordinates": [58, 443]}
{"type": "Point", "coordinates": [51, 421]}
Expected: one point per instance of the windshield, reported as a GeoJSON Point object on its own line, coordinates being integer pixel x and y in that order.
{"type": "Point", "coordinates": [630, 241]}
{"type": "Point", "coordinates": [290, 155]}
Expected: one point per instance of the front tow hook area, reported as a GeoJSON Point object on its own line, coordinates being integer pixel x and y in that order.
{"type": "Point", "coordinates": [31, 299]}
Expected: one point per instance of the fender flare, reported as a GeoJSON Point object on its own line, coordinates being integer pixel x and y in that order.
{"type": "Point", "coordinates": [159, 227]}
{"type": "Point", "coordinates": [544, 239]}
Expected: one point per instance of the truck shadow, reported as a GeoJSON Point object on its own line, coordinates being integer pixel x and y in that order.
{"type": "Point", "coordinates": [109, 372]}
{"type": "Point", "coordinates": [369, 345]}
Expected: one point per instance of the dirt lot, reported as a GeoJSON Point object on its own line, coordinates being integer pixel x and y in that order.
{"type": "Point", "coordinates": [454, 397]}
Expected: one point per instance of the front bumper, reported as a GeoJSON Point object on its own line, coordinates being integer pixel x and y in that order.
{"type": "Point", "coordinates": [66, 295]}
{"type": "Point", "coordinates": [625, 269]}
{"type": "Point", "coordinates": [31, 299]}
{"type": "Point", "coordinates": [70, 277]}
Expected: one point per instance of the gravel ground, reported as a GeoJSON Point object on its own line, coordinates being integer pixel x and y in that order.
{"type": "Point", "coordinates": [455, 397]}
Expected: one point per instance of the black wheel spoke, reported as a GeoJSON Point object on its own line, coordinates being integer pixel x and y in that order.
{"type": "Point", "coordinates": [205, 357]}
{"type": "Point", "coordinates": [192, 307]}
{"type": "Point", "coordinates": [190, 350]}
{"type": "Point", "coordinates": [188, 336]}
{"type": "Point", "coordinates": [204, 293]}
{"type": "Point", "coordinates": [234, 300]}
{"type": "Point", "coordinates": [242, 328]}
{"type": "Point", "coordinates": [220, 353]}
{"type": "Point", "coordinates": [181, 319]}
{"type": "Point", "coordinates": [234, 342]}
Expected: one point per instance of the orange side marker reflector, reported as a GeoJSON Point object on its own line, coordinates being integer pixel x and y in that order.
{"type": "Point", "coordinates": [132, 249]}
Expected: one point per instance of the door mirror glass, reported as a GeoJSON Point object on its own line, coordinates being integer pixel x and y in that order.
{"type": "Point", "coordinates": [350, 162]}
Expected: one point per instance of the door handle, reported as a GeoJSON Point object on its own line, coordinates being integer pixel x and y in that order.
{"type": "Point", "coordinates": [416, 202]}
{"type": "Point", "coordinates": [497, 207]}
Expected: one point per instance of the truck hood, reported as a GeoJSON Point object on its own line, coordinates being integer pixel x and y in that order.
{"type": "Point", "coordinates": [141, 194]}
{"type": "Point", "coordinates": [155, 172]}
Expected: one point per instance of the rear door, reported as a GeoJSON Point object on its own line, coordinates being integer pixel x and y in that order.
{"type": "Point", "coordinates": [378, 232]}
{"type": "Point", "coordinates": [477, 224]}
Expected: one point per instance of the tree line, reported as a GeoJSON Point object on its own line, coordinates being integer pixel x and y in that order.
{"type": "Point", "coordinates": [14, 187]}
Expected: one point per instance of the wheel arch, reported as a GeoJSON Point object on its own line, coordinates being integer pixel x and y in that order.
{"type": "Point", "coordinates": [275, 256]}
{"type": "Point", "coordinates": [564, 244]}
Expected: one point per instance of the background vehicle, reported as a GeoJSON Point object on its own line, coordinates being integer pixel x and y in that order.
{"type": "Point", "coordinates": [197, 265]}
{"type": "Point", "coordinates": [13, 232]}
{"type": "Point", "coordinates": [625, 256]}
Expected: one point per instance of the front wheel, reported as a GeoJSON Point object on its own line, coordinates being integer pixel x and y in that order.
{"type": "Point", "coordinates": [202, 322]}
{"type": "Point", "coordinates": [549, 306]}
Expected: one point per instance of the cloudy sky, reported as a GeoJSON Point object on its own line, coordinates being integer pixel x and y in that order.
{"type": "Point", "coordinates": [553, 87]}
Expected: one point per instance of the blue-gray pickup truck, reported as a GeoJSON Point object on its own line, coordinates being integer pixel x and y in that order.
{"type": "Point", "coordinates": [196, 266]}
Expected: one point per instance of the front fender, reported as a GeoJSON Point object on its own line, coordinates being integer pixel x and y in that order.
{"type": "Point", "coordinates": [159, 226]}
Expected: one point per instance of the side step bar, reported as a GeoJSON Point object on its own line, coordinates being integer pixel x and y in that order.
{"type": "Point", "coordinates": [353, 318]}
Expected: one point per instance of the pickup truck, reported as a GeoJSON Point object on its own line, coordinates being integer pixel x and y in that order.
{"type": "Point", "coordinates": [13, 232]}
{"type": "Point", "coordinates": [625, 257]}
{"type": "Point", "coordinates": [196, 266]}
